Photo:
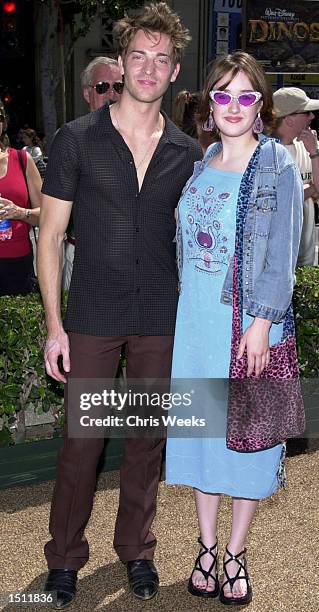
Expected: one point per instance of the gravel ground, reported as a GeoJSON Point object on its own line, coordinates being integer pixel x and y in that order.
{"type": "Point", "coordinates": [282, 555]}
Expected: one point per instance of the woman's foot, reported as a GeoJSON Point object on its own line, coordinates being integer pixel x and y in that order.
{"type": "Point", "coordinates": [204, 580]}
{"type": "Point", "coordinates": [235, 586]}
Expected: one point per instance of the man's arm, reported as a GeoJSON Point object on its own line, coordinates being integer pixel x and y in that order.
{"type": "Point", "coordinates": [54, 219]}
{"type": "Point", "coordinates": [309, 139]}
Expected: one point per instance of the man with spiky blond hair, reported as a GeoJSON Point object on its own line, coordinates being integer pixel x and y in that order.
{"type": "Point", "coordinates": [122, 170]}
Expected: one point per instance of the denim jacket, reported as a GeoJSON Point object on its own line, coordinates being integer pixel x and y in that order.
{"type": "Point", "coordinates": [271, 234]}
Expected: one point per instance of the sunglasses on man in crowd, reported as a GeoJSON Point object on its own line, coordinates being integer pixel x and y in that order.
{"type": "Point", "coordinates": [103, 86]}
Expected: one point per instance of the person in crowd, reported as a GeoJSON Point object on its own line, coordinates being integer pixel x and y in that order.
{"type": "Point", "coordinates": [184, 109]}
{"type": "Point", "coordinates": [32, 144]}
{"type": "Point", "coordinates": [294, 112]}
{"type": "Point", "coordinates": [231, 203]}
{"type": "Point", "coordinates": [101, 83]}
{"type": "Point", "coordinates": [17, 139]}
{"type": "Point", "coordinates": [19, 209]}
{"type": "Point", "coordinates": [121, 170]}
{"type": "Point", "coordinates": [184, 112]}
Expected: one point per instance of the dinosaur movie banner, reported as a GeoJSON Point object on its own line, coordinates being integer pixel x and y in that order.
{"type": "Point", "coordinates": [283, 38]}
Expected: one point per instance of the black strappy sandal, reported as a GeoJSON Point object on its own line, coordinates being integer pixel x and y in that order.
{"type": "Point", "coordinates": [206, 573]}
{"type": "Point", "coordinates": [236, 601]}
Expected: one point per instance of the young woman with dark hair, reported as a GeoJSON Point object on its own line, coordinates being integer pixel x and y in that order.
{"type": "Point", "coordinates": [243, 204]}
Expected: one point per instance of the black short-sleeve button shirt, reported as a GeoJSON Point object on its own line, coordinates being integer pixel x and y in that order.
{"type": "Point", "coordinates": [124, 279]}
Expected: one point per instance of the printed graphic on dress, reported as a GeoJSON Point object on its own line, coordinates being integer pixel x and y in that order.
{"type": "Point", "coordinates": [206, 241]}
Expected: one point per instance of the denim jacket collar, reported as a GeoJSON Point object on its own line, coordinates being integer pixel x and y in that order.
{"type": "Point", "coordinates": [211, 151]}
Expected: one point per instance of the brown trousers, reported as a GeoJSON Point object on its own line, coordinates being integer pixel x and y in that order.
{"type": "Point", "coordinates": [98, 357]}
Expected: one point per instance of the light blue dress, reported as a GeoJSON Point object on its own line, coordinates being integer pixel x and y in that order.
{"type": "Point", "coordinates": [202, 344]}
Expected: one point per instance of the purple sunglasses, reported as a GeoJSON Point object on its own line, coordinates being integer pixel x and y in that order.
{"type": "Point", "coordinates": [245, 99]}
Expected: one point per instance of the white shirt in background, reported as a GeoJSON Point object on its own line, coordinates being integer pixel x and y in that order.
{"type": "Point", "coordinates": [307, 249]}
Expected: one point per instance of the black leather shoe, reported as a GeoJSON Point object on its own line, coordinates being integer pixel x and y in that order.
{"type": "Point", "coordinates": [143, 578]}
{"type": "Point", "coordinates": [63, 582]}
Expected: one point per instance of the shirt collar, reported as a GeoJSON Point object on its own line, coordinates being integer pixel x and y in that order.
{"type": "Point", "coordinates": [102, 121]}
{"type": "Point", "coordinates": [173, 134]}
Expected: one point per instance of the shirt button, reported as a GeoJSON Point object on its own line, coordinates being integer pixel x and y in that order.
{"type": "Point", "coordinates": [131, 163]}
{"type": "Point", "coordinates": [137, 229]}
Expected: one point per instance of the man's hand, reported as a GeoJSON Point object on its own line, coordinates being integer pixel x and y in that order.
{"type": "Point", "coordinates": [256, 341]}
{"type": "Point", "coordinates": [311, 192]}
{"type": "Point", "coordinates": [310, 139]}
{"type": "Point", "coordinates": [54, 347]}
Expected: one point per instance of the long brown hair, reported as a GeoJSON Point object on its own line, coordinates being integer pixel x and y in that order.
{"type": "Point", "coordinates": [33, 136]}
{"type": "Point", "coordinates": [184, 109]}
{"type": "Point", "coordinates": [239, 61]}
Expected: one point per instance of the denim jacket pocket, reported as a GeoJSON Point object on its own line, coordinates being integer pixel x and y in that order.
{"type": "Point", "coordinates": [265, 204]}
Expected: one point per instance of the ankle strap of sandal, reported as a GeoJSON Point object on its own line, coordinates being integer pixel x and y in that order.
{"type": "Point", "coordinates": [205, 547]}
{"type": "Point", "coordinates": [235, 557]}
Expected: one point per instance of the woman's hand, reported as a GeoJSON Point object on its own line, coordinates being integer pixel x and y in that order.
{"type": "Point", "coordinates": [9, 210]}
{"type": "Point", "coordinates": [255, 341]}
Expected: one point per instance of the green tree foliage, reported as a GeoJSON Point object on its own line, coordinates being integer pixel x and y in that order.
{"type": "Point", "coordinates": [23, 382]}
{"type": "Point", "coordinates": [87, 9]}
{"type": "Point", "coordinates": [81, 13]}
{"type": "Point", "coordinates": [306, 305]}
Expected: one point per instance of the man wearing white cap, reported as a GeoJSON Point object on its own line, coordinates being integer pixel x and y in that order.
{"type": "Point", "coordinates": [294, 111]}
